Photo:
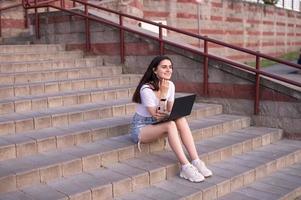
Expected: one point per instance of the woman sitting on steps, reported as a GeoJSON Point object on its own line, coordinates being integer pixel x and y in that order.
{"type": "Point", "coordinates": [154, 89]}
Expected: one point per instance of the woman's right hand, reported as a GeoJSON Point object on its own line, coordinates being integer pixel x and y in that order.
{"type": "Point", "coordinates": [164, 84]}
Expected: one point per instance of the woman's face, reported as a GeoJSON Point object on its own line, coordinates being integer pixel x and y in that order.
{"type": "Point", "coordinates": [164, 70]}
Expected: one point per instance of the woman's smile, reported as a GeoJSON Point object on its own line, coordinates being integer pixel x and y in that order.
{"type": "Point", "coordinates": [164, 70]}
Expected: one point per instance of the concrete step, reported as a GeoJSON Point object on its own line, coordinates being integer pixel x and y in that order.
{"type": "Point", "coordinates": [27, 66]}
{"type": "Point", "coordinates": [38, 141]}
{"type": "Point", "coordinates": [17, 40]}
{"type": "Point", "coordinates": [52, 75]}
{"type": "Point", "coordinates": [229, 175]}
{"type": "Point", "coordinates": [21, 57]}
{"type": "Point", "coordinates": [37, 48]}
{"type": "Point", "coordinates": [282, 185]}
{"type": "Point", "coordinates": [52, 165]}
{"type": "Point", "coordinates": [46, 101]}
{"type": "Point", "coordinates": [76, 175]}
{"type": "Point", "coordinates": [48, 87]}
{"type": "Point", "coordinates": [16, 123]}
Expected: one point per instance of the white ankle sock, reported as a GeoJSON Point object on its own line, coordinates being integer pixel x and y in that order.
{"type": "Point", "coordinates": [195, 161]}
{"type": "Point", "coordinates": [185, 165]}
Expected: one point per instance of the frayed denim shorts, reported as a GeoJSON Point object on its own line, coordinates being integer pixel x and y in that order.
{"type": "Point", "coordinates": [137, 123]}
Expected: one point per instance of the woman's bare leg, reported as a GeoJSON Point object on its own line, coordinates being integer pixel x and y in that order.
{"type": "Point", "coordinates": [153, 132]}
{"type": "Point", "coordinates": [187, 138]}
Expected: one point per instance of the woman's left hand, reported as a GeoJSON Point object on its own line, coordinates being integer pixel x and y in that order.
{"type": "Point", "coordinates": [161, 115]}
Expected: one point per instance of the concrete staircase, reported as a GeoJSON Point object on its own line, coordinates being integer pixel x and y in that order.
{"type": "Point", "coordinates": [63, 135]}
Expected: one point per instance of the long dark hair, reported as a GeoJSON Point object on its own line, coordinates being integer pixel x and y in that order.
{"type": "Point", "coordinates": [149, 77]}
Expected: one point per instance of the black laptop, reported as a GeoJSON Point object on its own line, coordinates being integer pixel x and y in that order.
{"type": "Point", "coordinates": [182, 106]}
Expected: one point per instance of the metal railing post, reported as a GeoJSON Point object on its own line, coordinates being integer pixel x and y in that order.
{"type": "Point", "coordinates": [161, 41]}
{"type": "Point", "coordinates": [37, 21]}
{"type": "Point", "coordinates": [0, 25]}
{"type": "Point", "coordinates": [121, 40]}
{"type": "Point", "coordinates": [257, 76]}
{"type": "Point", "coordinates": [25, 18]}
{"type": "Point", "coordinates": [88, 42]}
{"type": "Point", "coordinates": [205, 71]}
{"type": "Point", "coordinates": [62, 4]}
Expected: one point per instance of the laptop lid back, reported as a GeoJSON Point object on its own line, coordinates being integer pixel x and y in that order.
{"type": "Point", "coordinates": [182, 107]}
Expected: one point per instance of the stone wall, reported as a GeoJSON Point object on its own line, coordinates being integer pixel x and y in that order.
{"type": "Point", "coordinates": [276, 114]}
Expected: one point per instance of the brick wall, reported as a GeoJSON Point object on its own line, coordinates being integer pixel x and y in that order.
{"type": "Point", "coordinates": [12, 19]}
{"type": "Point", "coordinates": [258, 27]}
{"type": "Point", "coordinates": [254, 26]}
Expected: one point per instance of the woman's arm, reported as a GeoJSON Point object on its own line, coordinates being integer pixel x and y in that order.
{"type": "Point", "coordinates": [152, 111]}
{"type": "Point", "coordinates": [169, 106]}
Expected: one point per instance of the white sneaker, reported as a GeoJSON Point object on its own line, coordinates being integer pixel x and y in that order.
{"type": "Point", "coordinates": [201, 167]}
{"type": "Point", "coordinates": [191, 173]}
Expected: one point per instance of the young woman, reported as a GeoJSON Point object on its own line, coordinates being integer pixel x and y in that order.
{"type": "Point", "coordinates": [154, 97]}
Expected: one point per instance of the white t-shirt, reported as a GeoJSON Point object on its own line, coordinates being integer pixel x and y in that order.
{"type": "Point", "coordinates": [149, 99]}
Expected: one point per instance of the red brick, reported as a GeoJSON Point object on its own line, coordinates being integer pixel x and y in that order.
{"type": "Point", "coordinates": [235, 32]}
{"type": "Point", "coordinates": [290, 15]}
{"type": "Point", "coordinates": [280, 24]}
{"type": "Point", "coordinates": [216, 5]}
{"type": "Point", "coordinates": [187, 15]}
{"type": "Point", "coordinates": [268, 44]}
{"type": "Point", "coordinates": [216, 18]}
{"type": "Point", "coordinates": [236, 7]}
{"type": "Point", "coordinates": [268, 33]}
{"type": "Point", "coordinates": [253, 21]}
{"type": "Point", "coordinates": [268, 22]}
{"type": "Point", "coordinates": [212, 31]}
{"type": "Point", "coordinates": [234, 19]}
{"type": "Point", "coordinates": [281, 13]}
{"type": "Point", "coordinates": [255, 44]}
{"type": "Point", "coordinates": [253, 32]}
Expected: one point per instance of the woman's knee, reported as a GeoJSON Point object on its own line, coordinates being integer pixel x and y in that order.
{"type": "Point", "coordinates": [171, 126]}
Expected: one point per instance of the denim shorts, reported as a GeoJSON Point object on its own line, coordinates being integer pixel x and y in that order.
{"type": "Point", "coordinates": [137, 123]}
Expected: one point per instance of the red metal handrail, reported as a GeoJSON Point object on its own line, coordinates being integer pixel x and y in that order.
{"type": "Point", "coordinates": [8, 8]}
{"type": "Point", "coordinates": [162, 41]}
{"type": "Point", "coordinates": [29, 3]}
{"type": "Point", "coordinates": [255, 53]}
